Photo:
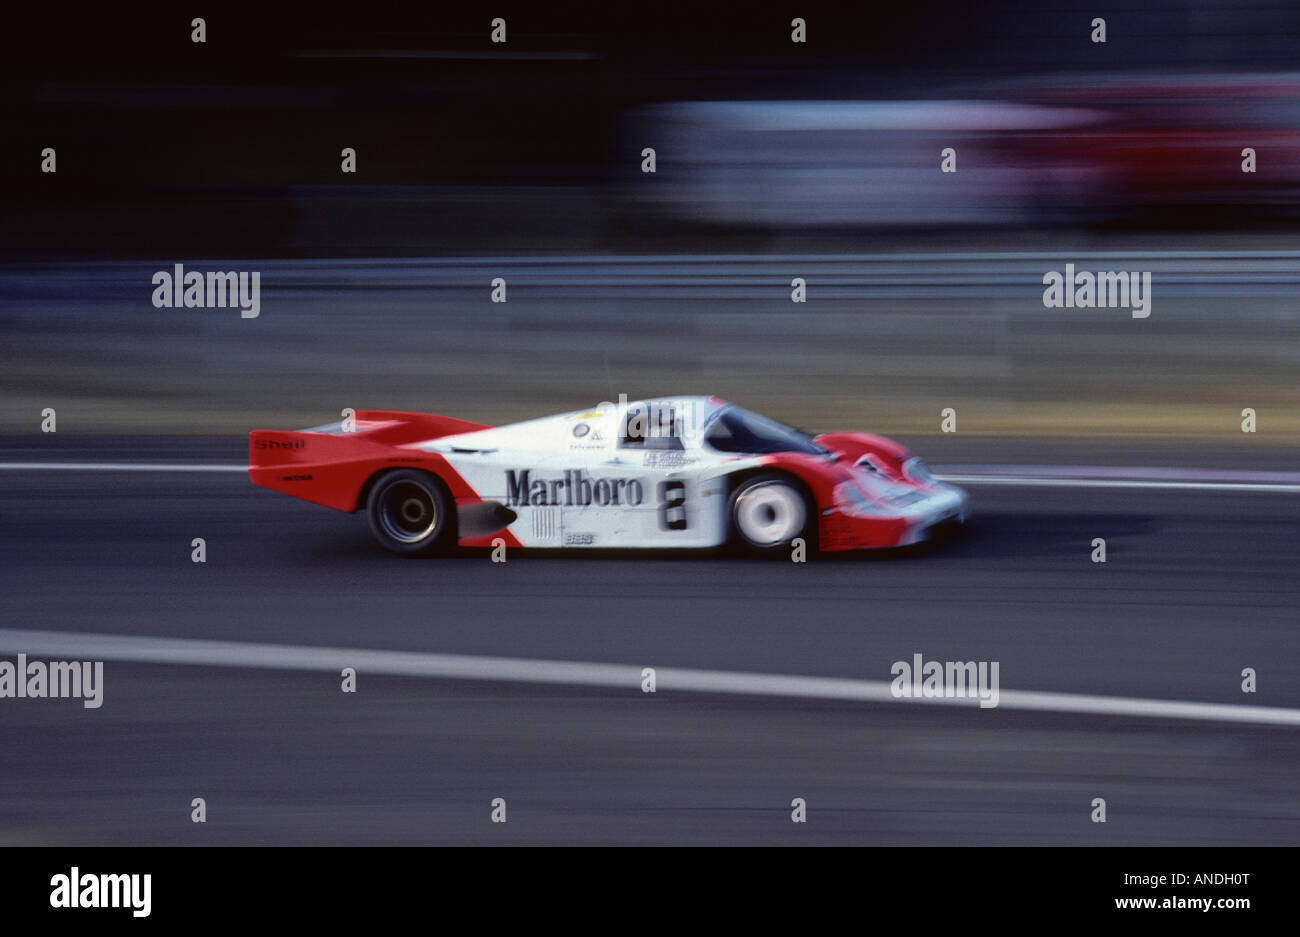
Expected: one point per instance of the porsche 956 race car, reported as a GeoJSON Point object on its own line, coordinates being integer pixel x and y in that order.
{"type": "Point", "coordinates": [677, 472]}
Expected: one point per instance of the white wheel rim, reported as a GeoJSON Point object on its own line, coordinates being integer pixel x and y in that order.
{"type": "Point", "coordinates": [770, 513]}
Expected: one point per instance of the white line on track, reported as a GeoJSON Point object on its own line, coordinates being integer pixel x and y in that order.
{"type": "Point", "coordinates": [61, 645]}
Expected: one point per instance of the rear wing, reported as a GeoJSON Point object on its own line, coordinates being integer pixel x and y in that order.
{"type": "Point", "coordinates": [395, 428]}
{"type": "Point", "coordinates": [329, 464]}
{"type": "Point", "coordinates": [383, 427]}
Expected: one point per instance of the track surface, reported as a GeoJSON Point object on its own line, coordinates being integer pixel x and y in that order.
{"type": "Point", "coordinates": [1198, 586]}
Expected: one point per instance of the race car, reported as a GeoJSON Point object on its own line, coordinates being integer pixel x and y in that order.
{"type": "Point", "coordinates": [676, 472]}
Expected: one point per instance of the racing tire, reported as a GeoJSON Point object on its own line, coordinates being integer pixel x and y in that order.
{"type": "Point", "coordinates": [768, 512]}
{"type": "Point", "coordinates": [411, 512]}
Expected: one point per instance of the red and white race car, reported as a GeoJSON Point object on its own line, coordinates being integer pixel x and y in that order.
{"type": "Point", "coordinates": [678, 472]}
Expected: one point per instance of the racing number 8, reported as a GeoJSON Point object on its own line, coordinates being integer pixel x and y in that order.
{"type": "Point", "coordinates": [672, 505]}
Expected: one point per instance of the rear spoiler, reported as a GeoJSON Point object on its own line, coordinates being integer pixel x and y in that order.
{"type": "Point", "coordinates": [329, 464]}
{"type": "Point", "coordinates": [381, 427]}
{"type": "Point", "coordinates": [395, 428]}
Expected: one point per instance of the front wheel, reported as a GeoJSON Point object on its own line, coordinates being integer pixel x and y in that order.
{"type": "Point", "coordinates": [768, 512]}
{"type": "Point", "coordinates": [411, 512]}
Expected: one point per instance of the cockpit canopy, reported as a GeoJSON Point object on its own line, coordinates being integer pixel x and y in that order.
{"type": "Point", "coordinates": [738, 430]}
{"type": "Point", "coordinates": [723, 427]}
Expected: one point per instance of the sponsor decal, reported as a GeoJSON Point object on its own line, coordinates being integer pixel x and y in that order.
{"type": "Point", "coordinates": [280, 444]}
{"type": "Point", "coordinates": [575, 489]}
{"type": "Point", "coordinates": [590, 439]}
{"type": "Point", "coordinates": [666, 458]}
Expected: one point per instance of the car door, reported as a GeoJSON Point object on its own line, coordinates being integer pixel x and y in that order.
{"type": "Point", "coordinates": [659, 482]}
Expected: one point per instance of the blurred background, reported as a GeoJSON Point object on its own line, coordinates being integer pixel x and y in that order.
{"type": "Point", "coordinates": [774, 160]}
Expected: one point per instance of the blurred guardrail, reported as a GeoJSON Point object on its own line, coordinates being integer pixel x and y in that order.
{"type": "Point", "coordinates": [884, 340]}
{"type": "Point", "coordinates": [733, 276]}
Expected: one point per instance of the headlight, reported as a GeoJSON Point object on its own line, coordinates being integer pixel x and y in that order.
{"type": "Point", "coordinates": [849, 497]}
{"type": "Point", "coordinates": [918, 471]}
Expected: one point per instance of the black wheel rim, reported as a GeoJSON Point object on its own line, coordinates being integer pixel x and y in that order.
{"type": "Point", "coordinates": [407, 512]}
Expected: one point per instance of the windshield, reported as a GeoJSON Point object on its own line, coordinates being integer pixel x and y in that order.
{"type": "Point", "coordinates": [738, 430]}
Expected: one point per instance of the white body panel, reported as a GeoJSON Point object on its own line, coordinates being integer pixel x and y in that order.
{"type": "Point", "coordinates": [574, 482]}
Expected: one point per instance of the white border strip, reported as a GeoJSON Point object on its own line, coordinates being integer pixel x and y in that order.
{"type": "Point", "coordinates": [627, 677]}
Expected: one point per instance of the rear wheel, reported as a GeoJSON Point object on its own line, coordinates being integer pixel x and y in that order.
{"type": "Point", "coordinates": [411, 512]}
{"type": "Point", "coordinates": [768, 512]}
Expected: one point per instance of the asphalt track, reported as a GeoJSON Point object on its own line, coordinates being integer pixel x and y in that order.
{"type": "Point", "coordinates": [1199, 584]}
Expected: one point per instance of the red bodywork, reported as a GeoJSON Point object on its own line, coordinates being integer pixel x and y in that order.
{"type": "Point", "coordinates": [333, 469]}
{"type": "Point", "coordinates": [838, 530]}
